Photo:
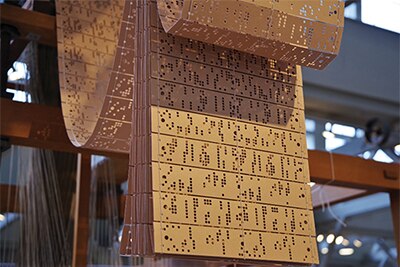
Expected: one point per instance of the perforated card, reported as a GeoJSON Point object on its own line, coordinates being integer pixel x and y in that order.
{"type": "Point", "coordinates": [218, 166]}
{"type": "Point", "coordinates": [207, 98]}
{"type": "Point", "coordinates": [95, 60]}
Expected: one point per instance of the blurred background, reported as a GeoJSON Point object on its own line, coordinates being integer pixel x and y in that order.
{"type": "Point", "coordinates": [352, 108]}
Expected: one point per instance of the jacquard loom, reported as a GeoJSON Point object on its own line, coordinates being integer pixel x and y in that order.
{"type": "Point", "coordinates": [207, 98]}
{"type": "Point", "coordinates": [199, 133]}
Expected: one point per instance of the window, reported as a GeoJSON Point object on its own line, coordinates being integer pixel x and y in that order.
{"type": "Point", "coordinates": [383, 14]}
{"type": "Point", "coordinates": [351, 11]}
{"type": "Point", "coordinates": [18, 75]}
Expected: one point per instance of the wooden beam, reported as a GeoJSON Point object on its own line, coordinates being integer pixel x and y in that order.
{"type": "Point", "coordinates": [343, 170]}
{"type": "Point", "coordinates": [30, 24]}
{"type": "Point", "coordinates": [81, 218]}
{"type": "Point", "coordinates": [16, 86]}
{"type": "Point", "coordinates": [43, 126]}
{"type": "Point", "coordinates": [39, 126]}
{"type": "Point", "coordinates": [9, 201]}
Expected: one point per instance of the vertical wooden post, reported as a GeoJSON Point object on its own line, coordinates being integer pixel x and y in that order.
{"type": "Point", "coordinates": [395, 205]}
{"type": "Point", "coordinates": [81, 224]}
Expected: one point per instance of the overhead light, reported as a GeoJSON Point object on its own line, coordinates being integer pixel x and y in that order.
{"type": "Point", "coordinates": [397, 149]}
{"type": "Point", "coordinates": [360, 133]}
{"type": "Point", "coordinates": [346, 251]}
{"type": "Point", "coordinates": [345, 242]}
{"type": "Point", "coordinates": [324, 250]}
{"type": "Point", "coordinates": [320, 238]}
{"type": "Point", "coordinates": [343, 130]}
{"type": "Point", "coordinates": [328, 134]}
{"type": "Point", "coordinates": [381, 156]}
{"type": "Point", "coordinates": [328, 126]}
{"type": "Point", "coordinates": [357, 243]}
{"type": "Point", "coordinates": [330, 238]}
{"type": "Point", "coordinates": [366, 154]}
{"type": "Point", "coordinates": [310, 125]}
{"type": "Point", "coordinates": [2, 217]}
{"type": "Point", "coordinates": [311, 184]}
{"type": "Point", "coordinates": [339, 240]}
